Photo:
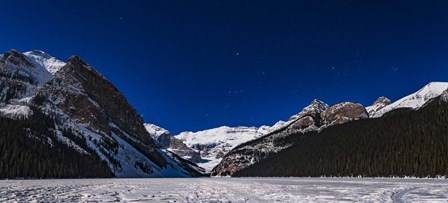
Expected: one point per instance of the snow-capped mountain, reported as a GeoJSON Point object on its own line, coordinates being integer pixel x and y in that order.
{"type": "Point", "coordinates": [169, 142]}
{"type": "Point", "coordinates": [414, 100]}
{"type": "Point", "coordinates": [380, 103]}
{"type": "Point", "coordinates": [85, 113]}
{"type": "Point", "coordinates": [213, 144]}
{"type": "Point", "coordinates": [155, 131]}
{"type": "Point", "coordinates": [43, 59]}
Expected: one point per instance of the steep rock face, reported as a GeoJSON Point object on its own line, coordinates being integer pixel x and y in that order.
{"type": "Point", "coordinates": [309, 117]}
{"type": "Point", "coordinates": [93, 100]}
{"type": "Point", "coordinates": [444, 96]}
{"type": "Point", "coordinates": [344, 112]}
{"type": "Point", "coordinates": [20, 76]}
{"type": "Point", "coordinates": [380, 103]}
{"type": "Point", "coordinates": [171, 143]}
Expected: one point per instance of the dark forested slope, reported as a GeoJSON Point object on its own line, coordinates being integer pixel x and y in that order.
{"type": "Point", "coordinates": [29, 148]}
{"type": "Point", "coordinates": [401, 143]}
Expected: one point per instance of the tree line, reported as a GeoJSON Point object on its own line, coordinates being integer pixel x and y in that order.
{"type": "Point", "coordinates": [29, 149]}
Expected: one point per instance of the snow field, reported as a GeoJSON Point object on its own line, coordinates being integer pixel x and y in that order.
{"type": "Point", "coordinates": [226, 190]}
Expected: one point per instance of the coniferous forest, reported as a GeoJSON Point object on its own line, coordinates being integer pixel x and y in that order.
{"type": "Point", "coordinates": [401, 143]}
{"type": "Point", "coordinates": [29, 149]}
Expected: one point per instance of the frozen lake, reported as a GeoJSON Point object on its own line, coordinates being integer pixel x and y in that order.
{"type": "Point", "coordinates": [225, 190]}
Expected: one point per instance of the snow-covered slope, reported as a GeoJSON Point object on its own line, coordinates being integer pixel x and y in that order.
{"type": "Point", "coordinates": [43, 59]}
{"type": "Point", "coordinates": [214, 143]}
{"type": "Point", "coordinates": [414, 100]}
{"type": "Point", "coordinates": [155, 131]}
{"type": "Point", "coordinates": [380, 103]}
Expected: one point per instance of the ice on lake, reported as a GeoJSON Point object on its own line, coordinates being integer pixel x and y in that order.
{"type": "Point", "coordinates": [226, 190]}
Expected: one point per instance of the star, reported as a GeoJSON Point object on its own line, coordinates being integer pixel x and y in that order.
{"type": "Point", "coordinates": [394, 68]}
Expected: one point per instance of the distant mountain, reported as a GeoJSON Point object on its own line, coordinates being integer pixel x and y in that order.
{"type": "Point", "coordinates": [71, 108]}
{"type": "Point", "coordinates": [415, 100]}
{"type": "Point", "coordinates": [380, 103]}
{"type": "Point", "coordinates": [206, 148]}
{"type": "Point", "coordinates": [213, 144]}
{"type": "Point", "coordinates": [173, 144]}
{"type": "Point", "coordinates": [315, 119]}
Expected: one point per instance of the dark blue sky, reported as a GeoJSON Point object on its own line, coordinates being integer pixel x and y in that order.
{"type": "Point", "coordinates": [192, 65]}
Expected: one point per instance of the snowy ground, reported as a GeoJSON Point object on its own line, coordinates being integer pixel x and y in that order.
{"type": "Point", "coordinates": [226, 190]}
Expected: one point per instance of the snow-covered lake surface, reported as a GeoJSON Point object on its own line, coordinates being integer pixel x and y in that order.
{"type": "Point", "coordinates": [226, 190]}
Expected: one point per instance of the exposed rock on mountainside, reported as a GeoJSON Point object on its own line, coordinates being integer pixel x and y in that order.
{"type": "Point", "coordinates": [380, 103]}
{"type": "Point", "coordinates": [20, 76]}
{"type": "Point", "coordinates": [90, 115]}
{"type": "Point", "coordinates": [171, 143]}
{"type": "Point", "coordinates": [344, 112]}
{"type": "Point", "coordinates": [444, 96]}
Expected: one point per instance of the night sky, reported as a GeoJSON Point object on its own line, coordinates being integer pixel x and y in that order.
{"type": "Point", "coordinates": [193, 65]}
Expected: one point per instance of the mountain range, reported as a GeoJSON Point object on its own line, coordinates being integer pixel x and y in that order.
{"type": "Point", "coordinates": [64, 120]}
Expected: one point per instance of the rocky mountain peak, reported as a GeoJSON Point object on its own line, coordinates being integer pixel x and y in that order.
{"type": "Point", "coordinates": [16, 58]}
{"type": "Point", "coordinates": [414, 100]}
{"type": "Point", "coordinates": [39, 53]}
{"type": "Point", "coordinates": [382, 101]}
{"type": "Point", "coordinates": [316, 107]}
{"type": "Point", "coordinates": [444, 96]}
{"type": "Point", "coordinates": [20, 76]}
{"type": "Point", "coordinates": [156, 131]}
{"type": "Point", "coordinates": [94, 100]}
{"type": "Point", "coordinates": [74, 59]}
{"type": "Point", "coordinates": [344, 112]}
{"type": "Point", "coordinates": [43, 59]}
{"type": "Point", "coordinates": [379, 103]}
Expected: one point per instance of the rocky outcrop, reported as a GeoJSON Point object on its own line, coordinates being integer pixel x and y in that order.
{"type": "Point", "coordinates": [19, 76]}
{"type": "Point", "coordinates": [179, 147]}
{"type": "Point", "coordinates": [309, 117]}
{"type": "Point", "coordinates": [171, 143]}
{"type": "Point", "coordinates": [343, 112]}
{"type": "Point", "coordinates": [444, 96]}
{"type": "Point", "coordinates": [379, 104]}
